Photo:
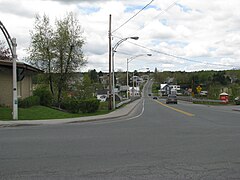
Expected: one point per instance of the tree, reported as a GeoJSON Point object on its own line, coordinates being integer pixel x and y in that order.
{"type": "Point", "coordinates": [86, 90]}
{"type": "Point", "coordinates": [57, 50]}
{"type": "Point", "coordinates": [4, 52]}
{"type": "Point", "coordinates": [42, 47]}
{"type": "Point", "coordinates": [219, 77]}
{"type": "Point", "coordinates": [93, 76]}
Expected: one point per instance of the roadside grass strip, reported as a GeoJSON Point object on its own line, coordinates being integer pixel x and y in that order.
{"type": "Point", "coordinates": [175, 109]}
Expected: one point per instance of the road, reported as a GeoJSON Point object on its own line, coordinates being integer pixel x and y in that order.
{"type": "Point", "coordinates": [156, 141]}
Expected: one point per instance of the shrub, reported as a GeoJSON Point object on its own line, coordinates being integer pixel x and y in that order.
{"type": "Point", "coordinates": [45, 96]}
{"type": "Point", "coordinates": [89, 105]}
{"type": "Point", "coordinates": [75, 105]}
{"type": "Point", "coordinates": [29, 102]}
{"type": "Point", "coordinates": [70, 104]}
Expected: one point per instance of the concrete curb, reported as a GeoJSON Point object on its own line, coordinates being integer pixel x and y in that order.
{"type": "Point", "coordinates": [121, 112]}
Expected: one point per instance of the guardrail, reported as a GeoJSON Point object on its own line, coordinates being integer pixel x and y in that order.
{"type": "Point", "coordinates": [208, 100]}
{"type": "Point", "coordinates": [190, 99]}
{"type": "Point", "coordinates": [127, 101]}
{"type": "Point", "coordinates": [122, 103]}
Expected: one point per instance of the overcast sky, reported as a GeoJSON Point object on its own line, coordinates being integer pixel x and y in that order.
{"type": "Point", "coordinates": [206, 34]}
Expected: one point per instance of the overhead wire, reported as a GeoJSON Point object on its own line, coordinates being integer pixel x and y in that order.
{"type": "Point", "coordinates": [163, 11]}
{"type": "Point", "coordinates": [175, 56]}
{"type": "Point", "coordinates": [133, 16]}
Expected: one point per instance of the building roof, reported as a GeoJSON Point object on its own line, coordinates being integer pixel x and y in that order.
{"type": "Point", "coordinates": [8, 63]}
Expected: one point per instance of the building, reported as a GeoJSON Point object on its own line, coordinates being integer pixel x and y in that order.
{"type": "Point", "coordinates": [24, 82]}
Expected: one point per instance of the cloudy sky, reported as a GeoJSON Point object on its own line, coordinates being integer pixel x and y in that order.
{"type": "Point", "coordinates": [203, 34]}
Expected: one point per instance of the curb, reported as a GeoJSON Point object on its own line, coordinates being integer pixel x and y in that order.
{"type": "Point", "coordinates": [112, 115]}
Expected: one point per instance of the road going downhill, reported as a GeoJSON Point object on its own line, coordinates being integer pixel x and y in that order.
{"type": "Point", "coordinates": [156, 141]}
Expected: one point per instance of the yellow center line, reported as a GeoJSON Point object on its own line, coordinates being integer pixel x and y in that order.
{"type": "Point", "coordinates": [175, 109]}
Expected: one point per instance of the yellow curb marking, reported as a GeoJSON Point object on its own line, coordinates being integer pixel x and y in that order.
{"type": "Point", "coordinates": [175, 109]}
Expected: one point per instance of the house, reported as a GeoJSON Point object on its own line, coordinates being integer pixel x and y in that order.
{"type": "Point", "coordinates": [134, 91]}
{"type": "Point", "coordinates": [102, 95]}
{"type": "Point", "coordinates": [24, 81]}
{"type": "Point", "coordinates": [166, 89]}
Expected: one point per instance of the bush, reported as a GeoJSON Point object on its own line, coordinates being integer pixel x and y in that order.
{"type": "Point", "coordinates": [29, 102]}
{"type": "Point", "coordinates": [44, 95]}
{"type": "Point", "coordinates": [70, 104]}
{"type": "Point", "coordinates": [89, 105]}
{"type": "Point", "coordinates": [74, 105]}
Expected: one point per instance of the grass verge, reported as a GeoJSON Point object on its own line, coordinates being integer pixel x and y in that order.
{"type": "Point", "coordinates": [42, 112]}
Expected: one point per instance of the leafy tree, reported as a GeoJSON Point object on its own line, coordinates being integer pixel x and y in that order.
{"type": "Point", "coordinates": [57, 50]}
{"type": "Point", "coordinates": [42, 47]}
{"type": "Point", "coordinates": [220, 78]}
{"type": "Point", "coordinates": [4, 52]}
{"type": "Point", "coordinates": [122, 77]}
{"type": "Point", "coordinates": [93, 76]}
{"type": "Point", "coordinates": [100, 73]}
{"type": "Point", "coordinates": [86, 90]}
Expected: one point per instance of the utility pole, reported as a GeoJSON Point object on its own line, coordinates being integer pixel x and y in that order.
{"type": "Point", "coordinates": [110, 60]}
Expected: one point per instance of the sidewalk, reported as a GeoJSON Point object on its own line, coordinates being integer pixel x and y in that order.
{"type": "Point", "coordinates": [121, 112]}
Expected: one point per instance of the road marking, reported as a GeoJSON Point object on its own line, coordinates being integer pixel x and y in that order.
{"type": "Point", "coordinates": [175, 109]}
{"type": "Point", "coordinates": [109, 121]}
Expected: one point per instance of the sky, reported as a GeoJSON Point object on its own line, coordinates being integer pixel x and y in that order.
{"type": "Point", "coordinates": [182, 35]}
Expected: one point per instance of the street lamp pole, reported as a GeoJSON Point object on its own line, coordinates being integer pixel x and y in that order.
{"type": "Point", "coordinates": [113, 75]}
{"type": "Point", "coordinates": [128, 61]}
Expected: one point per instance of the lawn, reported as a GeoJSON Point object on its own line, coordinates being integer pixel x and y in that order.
{"type": "Point", "coordinates": [41, 112]}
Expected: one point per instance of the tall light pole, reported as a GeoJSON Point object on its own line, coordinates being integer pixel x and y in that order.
{"type": "Point", "coordinates": [110, 66]}
{"type": "Point", "coordinates": [12, 45]}
{"type": "Point", "coordinates": [113, 76]}
{"type": "Point", "coordinates": [128, 61]}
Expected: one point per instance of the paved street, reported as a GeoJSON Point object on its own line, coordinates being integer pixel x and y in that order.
{"type": "Point", "coordinates": [155, 141]}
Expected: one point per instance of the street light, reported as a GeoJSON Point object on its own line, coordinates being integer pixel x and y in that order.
{"type": "Point", "coordinates": [12, 45]}
{"type": "Point", "coordinates": [128, 61]}
{"type": "Point", "coordinates": [136, 82]}
{"type": "Point", "coordinates": [113, 77]}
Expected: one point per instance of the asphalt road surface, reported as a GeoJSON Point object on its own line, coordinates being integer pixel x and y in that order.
{"type": "Point", "coordinates": [156, 141]}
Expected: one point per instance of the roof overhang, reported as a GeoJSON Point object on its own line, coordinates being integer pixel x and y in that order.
{"type": "Point", "coordinates": [8, 63]}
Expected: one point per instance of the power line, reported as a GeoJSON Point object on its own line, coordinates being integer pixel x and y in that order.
{"type": "Point", "coordinates": [175, 56]}
{"type": "Point", "coordinates": [133, 16]}
{"type": "Point", "coordinates": [163, 11]}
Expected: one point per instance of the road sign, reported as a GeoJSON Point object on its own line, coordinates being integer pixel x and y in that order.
{"type": "Point", "coordinates": [199, 89]}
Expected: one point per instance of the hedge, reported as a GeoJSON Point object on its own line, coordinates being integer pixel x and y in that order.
{"type": "Point", "coordinates": [44, 95]}
{"type": "Point", "coordinates": [74, 105]}
{"type": "Point", "coordinates": [29, 102]}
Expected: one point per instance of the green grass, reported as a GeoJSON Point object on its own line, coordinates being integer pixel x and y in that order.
{"type": "Point", "coordinates": [41, 112]}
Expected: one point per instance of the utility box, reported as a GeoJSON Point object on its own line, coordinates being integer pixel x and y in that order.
{"type": "Point", "coordinates": [224, 97]}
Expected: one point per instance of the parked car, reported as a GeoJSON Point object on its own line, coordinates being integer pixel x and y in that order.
{"type": "Point", "coordinates": [155, 97]}
{"type": "Point", "coordinates": [237, 100]}
{"type": "Point", "coordinates": [204, 93]}
{"type": "Point", "coordinates": [171, 99]}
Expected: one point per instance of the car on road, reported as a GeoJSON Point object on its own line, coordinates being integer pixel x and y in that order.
{"type": "Point", "coordinates": [237, 100]}
{"type": "Point", "coordinates": [171, 99]}
{"type": "Point", "coordinates": [155, 97]}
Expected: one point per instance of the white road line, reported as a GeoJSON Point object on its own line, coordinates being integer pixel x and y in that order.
{"type": "Point", "coordinates": [115, 121]}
